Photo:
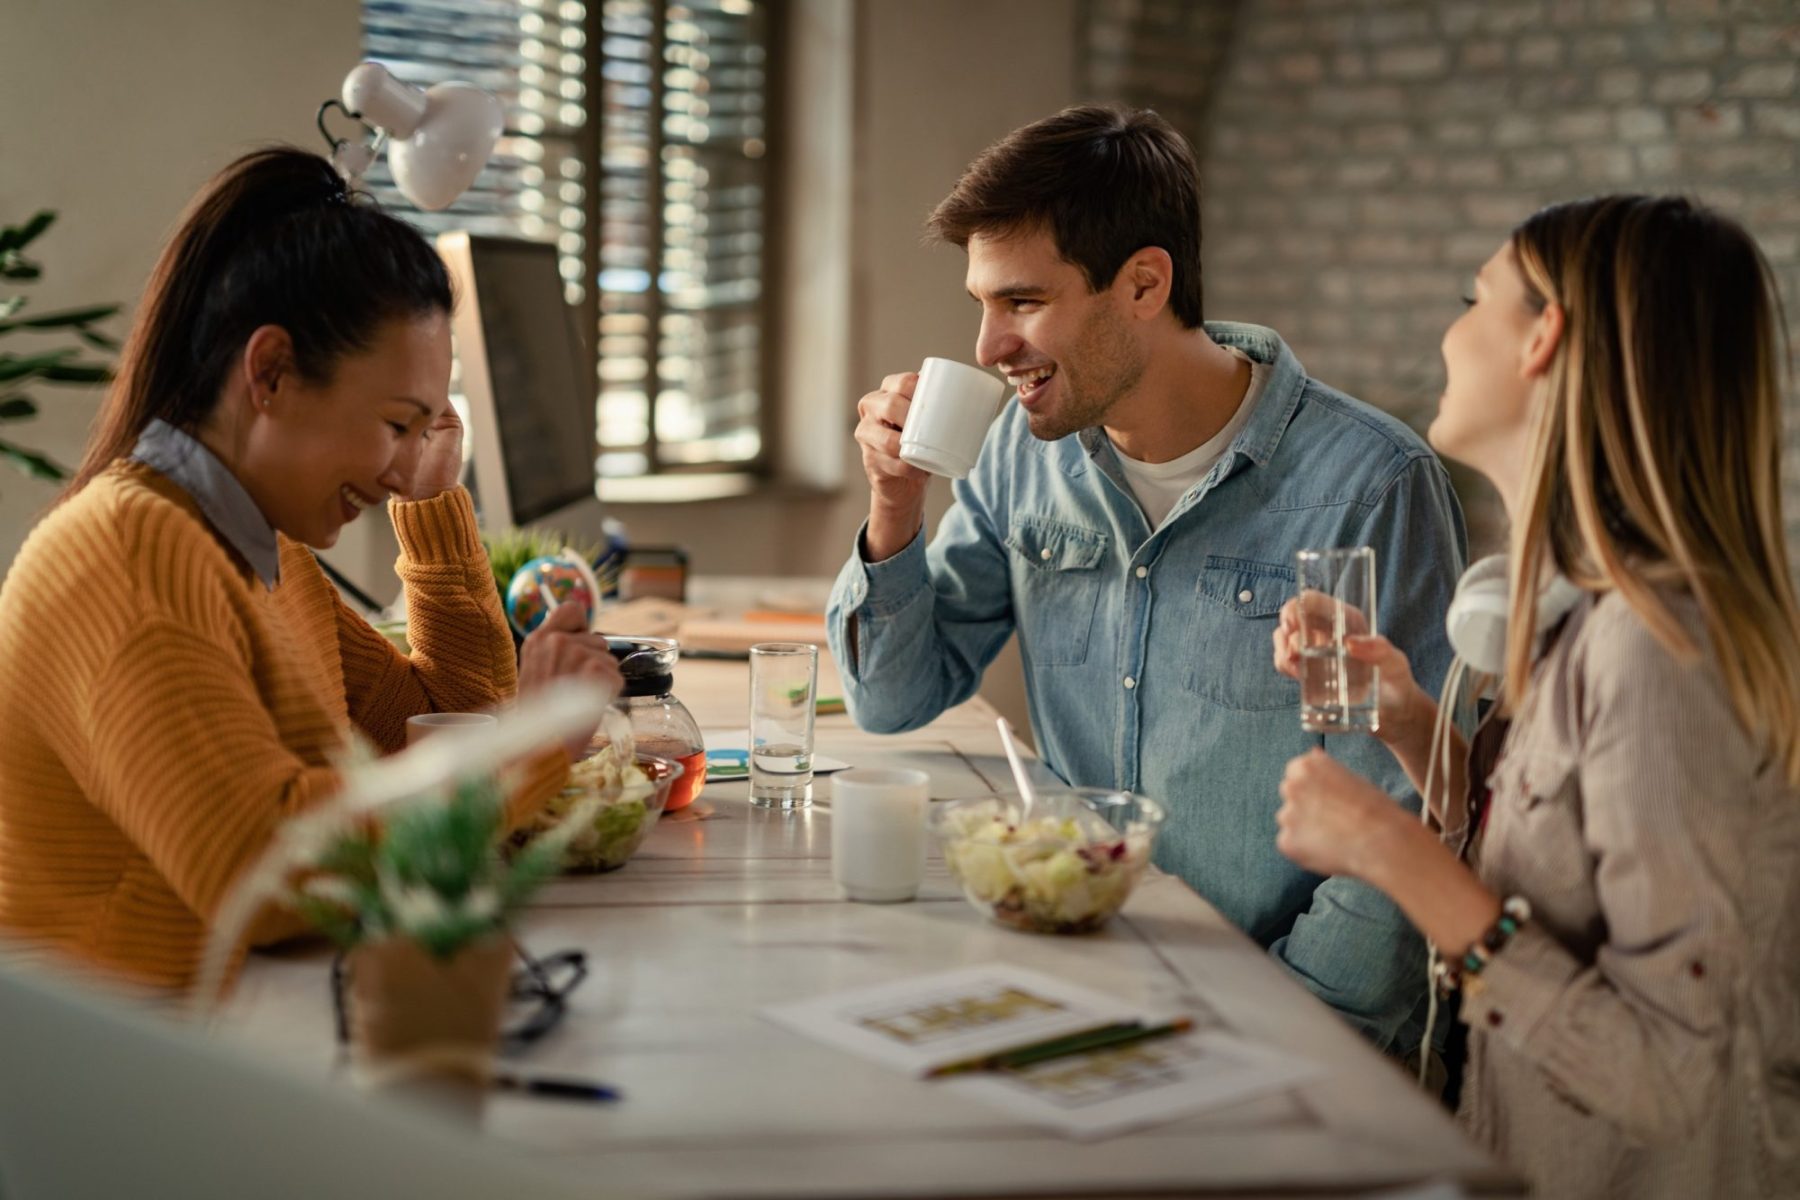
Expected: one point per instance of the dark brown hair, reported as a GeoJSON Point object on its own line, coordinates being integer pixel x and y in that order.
{"type": "Point", "coordinates": [1105, 181]}
{"type": "Point", "coordinates": [273, 239]}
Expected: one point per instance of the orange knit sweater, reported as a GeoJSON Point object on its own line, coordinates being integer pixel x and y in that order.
{"type": "Point", "coordinates": [161, 711]}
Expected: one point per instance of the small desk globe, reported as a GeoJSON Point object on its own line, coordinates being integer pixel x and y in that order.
{"type": "Point", "coordinates": [564, 577]}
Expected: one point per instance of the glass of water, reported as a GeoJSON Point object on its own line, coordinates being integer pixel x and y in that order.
{"type": "Point", "coordinates": [784, 677]}
{"type": "Point", "coordinates": [1338, 693]}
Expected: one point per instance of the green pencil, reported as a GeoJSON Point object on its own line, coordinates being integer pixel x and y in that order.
{"type": "Point", "coordinates": [1100, 1037]}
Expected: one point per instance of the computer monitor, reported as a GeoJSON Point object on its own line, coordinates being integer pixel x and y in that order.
{"type": "Point", "coordinates": [530, 388]}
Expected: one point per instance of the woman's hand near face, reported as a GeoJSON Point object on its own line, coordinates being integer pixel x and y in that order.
{"type": "Point", "coordinates": [440, 458]}
{"type": "Point", "coordinates": [562, 648]}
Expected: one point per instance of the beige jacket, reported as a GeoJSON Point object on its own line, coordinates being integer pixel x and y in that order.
{"type": "Point", "coordinates": [1641, 1037]}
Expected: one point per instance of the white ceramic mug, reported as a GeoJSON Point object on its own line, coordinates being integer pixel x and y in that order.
{"type": "Point", "coordinates": [952, 407]}
{"type": "Point", "coordinates": [426, 724]}
{"type": "Point", "coordinates": [878, 833]}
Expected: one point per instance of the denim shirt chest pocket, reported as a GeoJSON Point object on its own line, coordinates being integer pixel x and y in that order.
{"type": "Point", "coordinates": [1231, 650]}
{"type": "Point", "coordinates": [1056, 574]}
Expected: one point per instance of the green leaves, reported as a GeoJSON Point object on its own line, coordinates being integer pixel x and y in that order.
{"type": "Point", "coordinates": [433, 874]}
{"type": "Point", "coordinates": [54, 366]}
{"type": "Point", "coordinates": [53, 320]}
{"type": "Point", "coordinates": [17, 237]}
{"type": "Point", "coordinates": [14, 367]}
{"type": "Point", "coordinates": [33, 463]}
{"type": "Point", "coordinates": [61, 365]}
{"type": "Point", "coordinates": [73, 372]}
{"type": "Point", "coordinates": [13, 239]}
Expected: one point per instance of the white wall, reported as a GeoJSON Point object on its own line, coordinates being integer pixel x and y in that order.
{"type": "Point", "coordinates": [115, 114]}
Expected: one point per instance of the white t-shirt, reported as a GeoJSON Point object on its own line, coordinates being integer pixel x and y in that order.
{"type": "Point", "coordinates": [1160, 486]}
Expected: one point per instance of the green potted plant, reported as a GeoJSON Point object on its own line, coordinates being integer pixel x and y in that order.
{"type": "Point", "coordinates": [404, 868]}
{"type": "Point", "coordinates": [510, 549]}
{"type": "Point", "coordinates": [62, 365]}
{"type": "Point", "coordinates": [421, 904]}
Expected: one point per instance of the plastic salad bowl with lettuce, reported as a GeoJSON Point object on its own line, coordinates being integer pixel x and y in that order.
{"type": "Point", "coordinates": [631, 799]}
{"type": "Point", "coordinates": [1066, 869]}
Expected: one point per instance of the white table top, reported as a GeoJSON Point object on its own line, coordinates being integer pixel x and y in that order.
{"type": "Point", "coordinates": [726, 908]}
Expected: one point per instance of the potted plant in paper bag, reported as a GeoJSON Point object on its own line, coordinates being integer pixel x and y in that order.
{"type": "Point", "coordinates": [404, 869]}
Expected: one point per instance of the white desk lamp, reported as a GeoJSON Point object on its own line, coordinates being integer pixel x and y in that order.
{"type": "Point", "coordinates": [438, 139]}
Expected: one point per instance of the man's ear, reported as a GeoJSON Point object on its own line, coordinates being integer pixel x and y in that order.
{"type": "Point", "coordinates": [1541, 346]}
{"type": "Point", "coordinates": [268, 365]}
{"type": "Point", "coordinates": [1147, 277]}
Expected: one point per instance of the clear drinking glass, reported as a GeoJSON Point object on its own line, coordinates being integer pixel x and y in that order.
{"type": "Point", "coordinates": [784, 678]}
{"type": "Point", "coordinates": [1338, 694]}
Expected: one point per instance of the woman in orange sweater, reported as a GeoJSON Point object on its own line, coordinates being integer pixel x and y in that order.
{"type": "Point", "coordinates": [176, 673]}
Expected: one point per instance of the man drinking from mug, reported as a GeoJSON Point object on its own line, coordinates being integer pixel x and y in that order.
{"type": "Point", "coordinates": [1134, 519]}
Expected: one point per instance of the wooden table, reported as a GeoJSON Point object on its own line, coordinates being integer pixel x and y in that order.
{"type": "Point", "coordinates": [727, 908]}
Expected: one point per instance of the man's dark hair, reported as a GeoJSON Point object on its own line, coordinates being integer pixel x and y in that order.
{"type": "Point", "coordinates": [1105, 181]}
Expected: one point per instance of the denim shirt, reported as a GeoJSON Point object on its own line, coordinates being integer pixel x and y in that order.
{"type": "Point", "coordinates": [1149, 655]}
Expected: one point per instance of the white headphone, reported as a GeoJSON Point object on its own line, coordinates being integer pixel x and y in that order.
{"type": "Point", "coordinates": [1476, 621]}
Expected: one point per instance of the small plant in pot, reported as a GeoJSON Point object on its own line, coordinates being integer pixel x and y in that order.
{"type": "Point", "coordinates": [403, 868]}
{"type": "Point", "coordinates": [421, 905]}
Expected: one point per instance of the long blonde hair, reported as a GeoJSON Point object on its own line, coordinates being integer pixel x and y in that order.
{"type": "Point", "coordinates": [1655, 456]}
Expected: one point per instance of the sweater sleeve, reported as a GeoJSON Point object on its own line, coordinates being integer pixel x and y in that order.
{"type": "Point", "coordinates": [462, 654]}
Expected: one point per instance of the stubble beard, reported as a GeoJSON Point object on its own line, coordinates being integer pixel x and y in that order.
{"type": "Point", "coordinates": [1120, 365]}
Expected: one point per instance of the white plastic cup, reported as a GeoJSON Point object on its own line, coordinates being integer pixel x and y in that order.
{"type": "Point", "coordinates": [952, 407]}
{"type": "Point", "coordinates": [878, 833]}
{"type": "Point", "coordinates": [427, 724]}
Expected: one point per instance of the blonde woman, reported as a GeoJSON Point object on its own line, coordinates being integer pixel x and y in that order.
{"type": "Point", "coordinates": [1624, 921]}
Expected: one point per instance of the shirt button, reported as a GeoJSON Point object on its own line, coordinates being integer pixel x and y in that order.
{"type": "Point", "coordinates": [1130, 683]}
{"type": "Point", "coordinates": [1044, 554]}
{"type": "Point", "coordinates": [1245, 596]}
{"type": "Point", "coordinates": [1495, 1019]}
{"type": "Point", "coordinates": [1142, 571]}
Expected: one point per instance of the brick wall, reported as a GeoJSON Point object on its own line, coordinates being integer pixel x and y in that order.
{"type": "Point", "coordinates": [1360, 158]}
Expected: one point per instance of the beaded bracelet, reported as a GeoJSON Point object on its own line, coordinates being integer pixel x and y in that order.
{"type": "Point", "coordinates": [1465, 972]}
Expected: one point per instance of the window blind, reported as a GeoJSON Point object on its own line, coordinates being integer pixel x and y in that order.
{"type": "Point", "coordinates": [682, 169]}
{"type": "Point", "coordinates": [532, 56]}
{"type": "Point", "coordinates": [684, 202]}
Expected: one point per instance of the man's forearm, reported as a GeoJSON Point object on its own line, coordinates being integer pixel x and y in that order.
{"type": "Point", "coordinates": [890, 530]}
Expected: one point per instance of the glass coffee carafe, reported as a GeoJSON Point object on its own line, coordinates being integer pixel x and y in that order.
{"type": "Point", "coordinates": [660, 723]}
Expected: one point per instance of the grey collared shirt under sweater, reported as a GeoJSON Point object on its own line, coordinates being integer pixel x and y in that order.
{"type": "Point", "coordinates": [221, 498]}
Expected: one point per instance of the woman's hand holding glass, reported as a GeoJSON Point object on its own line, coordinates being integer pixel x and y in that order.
{"type": "Point", "coordinates": [1333, 821]}
{"type": "Point", "coordinates": [1406, 710]}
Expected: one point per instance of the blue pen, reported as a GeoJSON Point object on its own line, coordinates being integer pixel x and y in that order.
{"type": "Point", "coordinates": [559, 1089]}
